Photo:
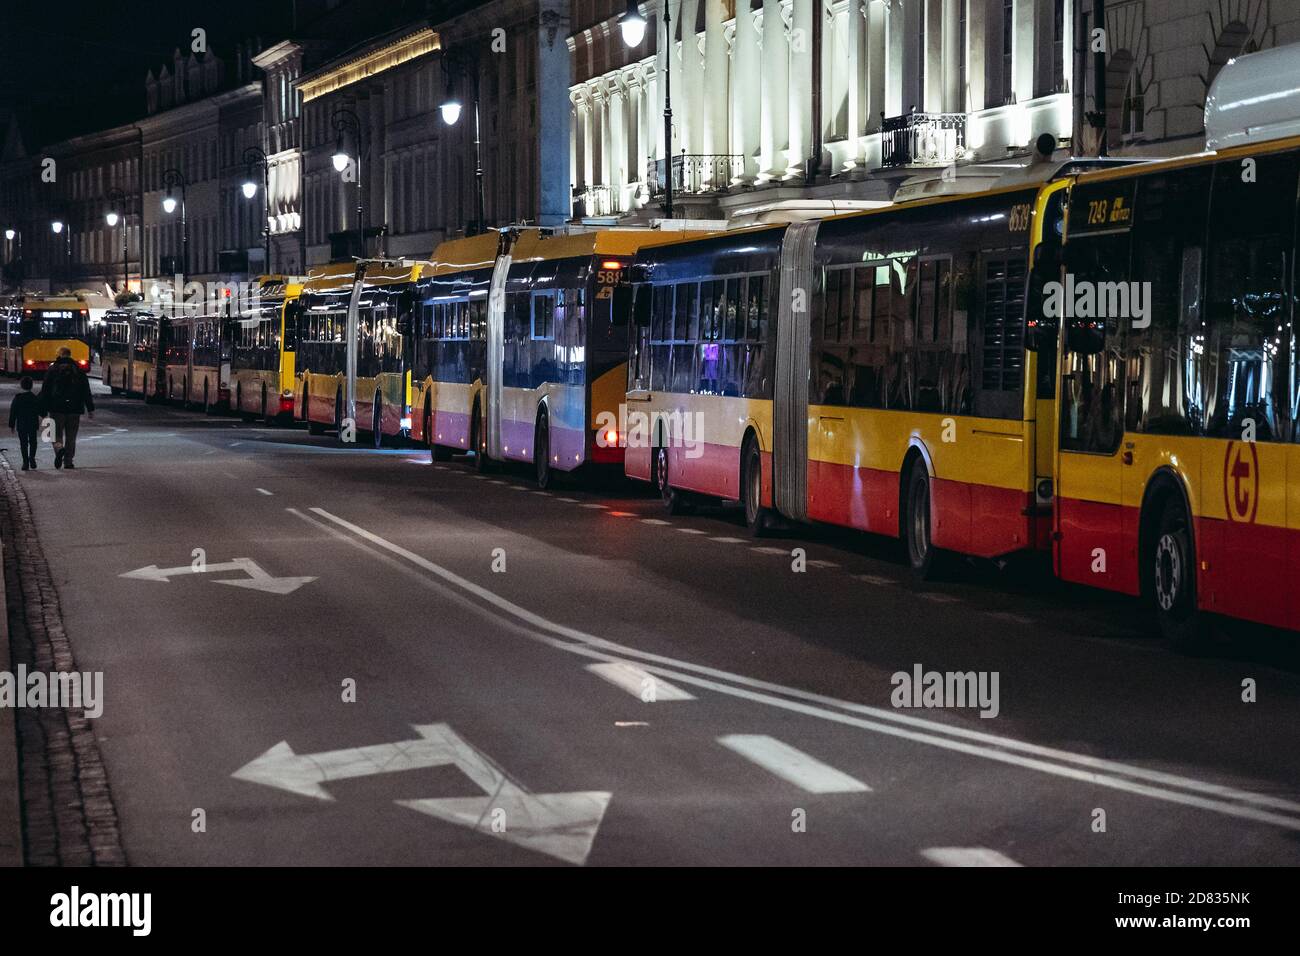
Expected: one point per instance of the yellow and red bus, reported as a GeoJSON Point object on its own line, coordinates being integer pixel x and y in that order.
{"type": "Point", "coordinates": [317, 323]}
{"type": "Point", "coordinates": [51, 323]}
{"type": "Point", "coordinates": [521, 347]}
{"type": "Point", "coordinates": [866, 370]}
{"type": "Point", "coordinates": [1178, 459]}
{"type": "Point", "coordinates": [259, 352]}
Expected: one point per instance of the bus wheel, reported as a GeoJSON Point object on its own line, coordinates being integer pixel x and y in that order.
{"type": "Point", "coordinates": [377, 423]}
{"type": "Point", "coordinates": [675, 501]}
{"type": "Point", "coordinates": [542, 452]}
{"type": "Point", "coordinates": [1173, 583]}
{"type": "Point", "coordinates": [916, 521]}
{"type": "Point", "coordinates": [757, 518]}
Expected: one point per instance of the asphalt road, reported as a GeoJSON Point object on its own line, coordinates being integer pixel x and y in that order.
{"type": "Point", "coordinates": [499, 715]}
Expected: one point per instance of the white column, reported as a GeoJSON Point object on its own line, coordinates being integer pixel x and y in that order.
{"type": "Point", "coordinates": [691, 124]}
{"type": "Point", "coordinates": [602, 134]}
{"type": "Point", "coordinates": [1022, 50]}
{"type": "Point", "coordinates": [588, 147]}
{"type": "Point", "coordinates": [877, 61]}
{"type": "Point", "coordinates": [746, 133]}
{"type": "Point", "coordinates": [775, 88]}
{"type": "Point", "coordinates": [635, 151]}
{"type": "Point", "coordinates": [661, 71]}
{"type": "Point", "coordinates": [617, 134]}
{"type": "Point", "coordinates": [716, 79]}
{"type": "Point", "coordinates": [953, 98]}
{"type": "Point", "coordinates": [895, 61]}
{"type": "Point", "coordinates": [859, 78]}
{"type": "Point", "coordinates": [801, 83]}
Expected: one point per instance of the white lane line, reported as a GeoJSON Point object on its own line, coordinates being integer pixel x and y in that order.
{"type": "Point", "coordinates": [263, 491]}
{"type": "Point", "coordinates": [967, 856]}
{"type": "Point", "coordinates": [691, 531]}
{"type": "Point", "coordinates": [601, 507]}
{"type": "Point", "coordinates": [767, 549]}
{"type": "Point", "coordinates": [658, 521]}
{"type": "Point", "coordinates": [877, 579]}
{"type": "Point", "coordinates": [822, 563]}
{"type": "Point", "coordinates": [544, 493]}
{"type": "Point", "coordinates": [939, 598]}
{"type": "Point", "coordinates": [1083, 768]}
{"type": "Point", "coordinates": [638, 682]}
{"type": "Point", "coordinates": [792, 765]}
{"type": "Point", "coordinates": [728, 540]}
{"type": "Point", "coordinates": [234, 443]}
{"type": "Point", "coordinates": [572, 501]}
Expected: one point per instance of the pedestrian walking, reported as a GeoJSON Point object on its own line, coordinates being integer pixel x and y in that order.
{"type": "Point", "coordinates": [25, 416]}
{"type": "Point", "coordinates": [65, 394]}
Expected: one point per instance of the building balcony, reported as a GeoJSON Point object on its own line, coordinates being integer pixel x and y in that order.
{"type": "Point", "coordinates": [697, 173]}
{"type": "Point", "coordinates": [922, 139]}
{"type": "Point", "coordinates": [599, 200]}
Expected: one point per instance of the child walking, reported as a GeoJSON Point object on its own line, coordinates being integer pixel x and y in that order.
{"type": "Point", "coordinates": [25, 415]}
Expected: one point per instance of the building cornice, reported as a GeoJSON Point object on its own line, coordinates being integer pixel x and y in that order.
{"type": "Point", "coordinates": [378, 59]}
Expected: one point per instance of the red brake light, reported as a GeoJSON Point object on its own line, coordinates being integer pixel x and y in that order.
{"type": "Point", "coordinates": [611, 438]}
{"type": "Point", "coordinates": [611, 264]}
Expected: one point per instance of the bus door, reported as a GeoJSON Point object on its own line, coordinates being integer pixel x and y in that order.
{"type": "Point", "coordinates": [1095, 537]}
{"type": "Point", "coordinates": [498, 303]}
{"type": "Point", "coordinates": [640, 440]}
{"type": "Point", "coordinates": [609, 329]}
{"type": "Point", "coordinates": [790, 426]}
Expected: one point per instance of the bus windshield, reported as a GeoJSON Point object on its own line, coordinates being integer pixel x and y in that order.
{"type": "Point", "coordinates": [55, 324]}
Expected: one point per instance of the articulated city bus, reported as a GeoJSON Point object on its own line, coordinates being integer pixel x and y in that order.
{"type": "Point", "coordinates": [51, 323]}
{"type": "Point", "coordinates": [521, 347]}
{"type": "Point", "coordinates": [383, 292]}
{"type": "Point", "coordinates": [866, 370]}
{"type": "Point", "coordinates": [263, 344]}
{"type": "Point", "coordinates": [1178, 462]}
{"type": "Point", "coordinates": [133, 351]}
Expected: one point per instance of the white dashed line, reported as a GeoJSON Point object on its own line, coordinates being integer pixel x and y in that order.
{"type": "Point", "coordinates": [939, 598]}
{"type": "Point", "coordinates": [967, 856]}
{"type": "Point", "coordinates": [572, 501]}
{"type": "Point", "coordinates": [658, 521]}
{"type": "Point", "coordinates": [795, 766]}
{"type": "Point", "coordinates": [728, 540]}
{"type": "Point", "coordinates": [875, 579]}
{"type": "Point", "coordinates": [823, 563]}
{"type": "Point", "coordinates": [691, 531]}
{"type": "Point", "coordinates": [638, 682]}
{"type": "Point", "coordinates": [769, 550]}
{"type": "Point", "coordinates": [589, 505]}
{"type": "Point", "coordinates": [263, 491]}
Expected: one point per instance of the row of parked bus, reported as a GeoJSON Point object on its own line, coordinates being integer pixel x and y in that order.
{"type": "Point", "coordinates": [1101, 365]}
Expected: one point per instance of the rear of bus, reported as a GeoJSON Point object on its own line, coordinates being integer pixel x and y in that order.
{"type": "Point", "coordinates": [50, 325]}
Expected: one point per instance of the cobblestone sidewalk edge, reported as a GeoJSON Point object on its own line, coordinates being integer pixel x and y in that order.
{"type": "Point", "coordinates": [11, 820]}
{"type": "Point", "coordinates": [67, 812]}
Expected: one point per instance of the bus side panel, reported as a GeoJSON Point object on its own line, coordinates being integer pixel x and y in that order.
{"type": "Point", "coordinates": [608, 392]}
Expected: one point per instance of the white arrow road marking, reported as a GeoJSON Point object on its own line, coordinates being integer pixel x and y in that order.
{"type": "Point", "coordinates": [257, 580]}
{"type": "Point", "coordinates": [563, 825]}
{"type": "Point", "coordinates": [792, 765]}
{"type": "Point", "coordinates": [967, 856]}
{"type": "Point", "coordinates": [303, 774]}
{"type": "Point", "coordinates": [633, 679]}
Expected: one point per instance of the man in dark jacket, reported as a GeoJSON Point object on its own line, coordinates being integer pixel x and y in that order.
{"type": "Point", "coordinates": [25, 416]}
{"type": "Point", "coordinates": [65, 394]}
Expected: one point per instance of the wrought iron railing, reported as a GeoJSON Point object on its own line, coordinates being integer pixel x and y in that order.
{"type": "Point", "coordinates": [922, 139]}
{"type": "Point", "coordinates": [600, 200]}
{"type": "Point", "coordinates": [697, 173]}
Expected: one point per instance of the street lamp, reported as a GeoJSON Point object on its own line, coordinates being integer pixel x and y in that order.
{"type": "Point", "coordinates": [174, 179]}
{"type": "Point", "coordinates": [347, 122]}
{"type": "Point", "coordinates": [117, 200]}
{"type": "Point", "coordinates": [57, 227]}
{"type": "Point", "coordinates": [463, 62]}
{"type": "Point", "coordinates": [632, 25]}
{"type": "Point", "coordinates": [254, 156]}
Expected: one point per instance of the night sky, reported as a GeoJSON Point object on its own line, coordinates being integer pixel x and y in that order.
{"type": "Point", "coordinates": [74, 66]}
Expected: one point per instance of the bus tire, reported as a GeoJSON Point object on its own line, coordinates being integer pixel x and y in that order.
{"type": "Point", "coordinates": [377, 422]}
{"type": "Point", "coordinates": [1172, 562]}
{"type": "Point", "coordinates": [676, 502]}
{"type": "Point", "coordinates": [542, 451]}
{"type": "Point", "coordinates": [915, 519]}
{"type": "Point", "coordinates": [757, 518]}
